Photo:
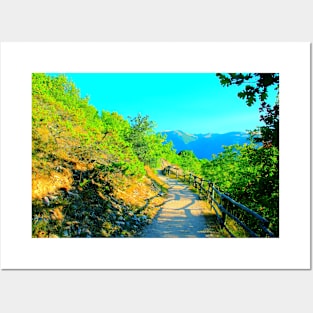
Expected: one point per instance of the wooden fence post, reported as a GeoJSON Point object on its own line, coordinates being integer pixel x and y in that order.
{"type": "Point", "coordinates": [212, 195]}
{"type": "Point", "coordinates": [208, 191]}
{"type": "Point", "coordinates": [223, 213]}
{"type": "Point", "coordinates": [201, 185]}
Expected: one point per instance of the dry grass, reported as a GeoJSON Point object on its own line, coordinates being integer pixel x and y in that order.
{"type": "Point", "coordinates": [156, 178]}
{"type": "Point", "coordinates": [134, 193]}
{"type": "Point", "coordinates": [56, 214]}
{"type": "Point", "coordinates": [47, 180]}
{"type": "Point", "coordinates": [236, 229]}
{"type": "Point", "coordinates": [49, 183]}
{"type": "Point", "coordinates": [154, 206]}
{"type": "Point", "coordinates": [139, 194]}
{"type": "Point", "coordinates": [80, 166]}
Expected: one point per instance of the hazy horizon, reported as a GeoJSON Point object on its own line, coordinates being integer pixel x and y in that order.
{"type": "Point", "coordinates": [205, 133]}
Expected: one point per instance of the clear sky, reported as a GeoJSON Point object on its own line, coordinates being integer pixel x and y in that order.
{"type": "Point", "coordinates": [192, 102]}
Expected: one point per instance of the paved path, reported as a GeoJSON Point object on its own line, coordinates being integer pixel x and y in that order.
{"type": "Point", "coordinates": [181, 216]}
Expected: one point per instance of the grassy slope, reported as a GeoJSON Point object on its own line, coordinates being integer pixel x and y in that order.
{"type": "Point", "coordinates": [79, 185]}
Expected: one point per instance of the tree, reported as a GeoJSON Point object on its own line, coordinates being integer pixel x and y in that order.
{"type": "Point", "coordinates": [147, 145]}
{"type": "Point", "coordinates": [189, 162]}
{"type": "Point", "coordinates": [249, 174]}
{"type": "Point", "coordinates": [256, 88]}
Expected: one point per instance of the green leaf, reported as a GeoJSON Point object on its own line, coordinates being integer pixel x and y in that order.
{"type": "Point", "coordinates": [263, 96]}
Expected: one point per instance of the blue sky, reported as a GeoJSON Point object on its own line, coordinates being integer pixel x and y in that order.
{"type": "Point", "coordinates": [193, 102]}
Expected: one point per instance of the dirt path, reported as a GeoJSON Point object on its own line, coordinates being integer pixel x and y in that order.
{"type": "Point", "coordinates": [182, 215]}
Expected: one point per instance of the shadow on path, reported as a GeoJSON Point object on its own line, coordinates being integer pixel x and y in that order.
{"type": "Point", "coordinates": [181, 215]}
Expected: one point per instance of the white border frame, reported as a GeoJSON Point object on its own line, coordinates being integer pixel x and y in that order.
{"type": "Point", "coordinates": [20, 251]}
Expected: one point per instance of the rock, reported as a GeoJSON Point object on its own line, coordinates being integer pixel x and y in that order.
{"type": "Point", "coordinates": [59, 169]}
{"type": "Point", "coordinates": [87, 232]}
{"type": "Point", "coordinates": [53, 236]}
{"type": "Point", "coordinates": [74, 195]}
{"type": "Point", "coordinates": [46, 201]}
{"type": "Point", "coordinates": [52, 198]}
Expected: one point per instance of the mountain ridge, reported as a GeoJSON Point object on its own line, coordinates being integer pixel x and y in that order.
{"type": "Point", "coordinates": [204, 145]}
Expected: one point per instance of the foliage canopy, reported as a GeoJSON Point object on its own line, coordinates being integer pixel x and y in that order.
{"type": "Point", "coordinates": [256, 87]}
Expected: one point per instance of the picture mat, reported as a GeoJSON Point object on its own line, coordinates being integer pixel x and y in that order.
{"type": "Point", "coordinates": [290, 251]}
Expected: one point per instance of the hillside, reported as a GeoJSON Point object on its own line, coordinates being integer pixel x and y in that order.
{"type": "Point", "coordinates": [90, 172]}
{"type": "Point", "coordinates": [204, 145]}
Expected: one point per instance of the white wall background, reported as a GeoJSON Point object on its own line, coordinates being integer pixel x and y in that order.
{"type": "Point", "coordinates": [156, 291]}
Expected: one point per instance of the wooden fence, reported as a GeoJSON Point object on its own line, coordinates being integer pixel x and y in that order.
{"type": "Point", "coordinates": [224, 206]}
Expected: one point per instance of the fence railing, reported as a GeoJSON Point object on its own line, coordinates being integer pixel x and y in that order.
{"type": "Point", "coordinates": [224, 206]}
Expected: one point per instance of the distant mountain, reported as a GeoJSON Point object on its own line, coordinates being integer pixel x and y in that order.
{"type": "Point", "coordinates": [204, 145]}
